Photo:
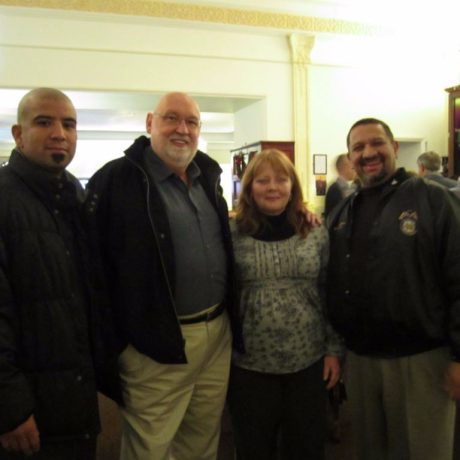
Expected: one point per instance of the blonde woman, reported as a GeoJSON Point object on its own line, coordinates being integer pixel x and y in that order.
{"type": "Point", "coordinates": [278, 388]}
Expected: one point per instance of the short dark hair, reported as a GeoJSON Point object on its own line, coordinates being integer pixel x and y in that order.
{"type": "Point", "coordinates": [370, 121]}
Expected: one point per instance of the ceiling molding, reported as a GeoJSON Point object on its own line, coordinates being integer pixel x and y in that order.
{"type": "Point", "coordinates": [206, 14]}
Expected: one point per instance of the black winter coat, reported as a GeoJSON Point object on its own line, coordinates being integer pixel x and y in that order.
{"type": "Point", "coordinates": [46, 367]}
{"type": "Point", "coordinates": [407, 297]}
{"type": "Point", "coordinates": [129, 226]}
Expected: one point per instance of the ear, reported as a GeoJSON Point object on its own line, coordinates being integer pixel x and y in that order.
{"type": "Point", "coordinates": [148, 122]}
{"type": "Point", "coordinates": [16, 131]}
{"type": "Point", "coordinates": [396, 147]}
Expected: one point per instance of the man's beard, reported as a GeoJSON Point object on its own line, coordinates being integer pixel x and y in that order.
{"type": "Point", "coordinates": [58, 158]}
{"type": "Point", "coordinates": [370, 181]}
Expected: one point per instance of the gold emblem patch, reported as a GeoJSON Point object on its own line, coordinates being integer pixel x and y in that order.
{"type": "Point", "coordinates": [408, 222]}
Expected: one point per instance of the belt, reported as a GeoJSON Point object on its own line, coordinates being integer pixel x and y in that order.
{"type": "Point", "coordinates": [207, 315]}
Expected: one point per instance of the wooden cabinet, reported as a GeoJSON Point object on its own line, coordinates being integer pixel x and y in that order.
{"type": "Point", "coordinates": [454, 130]}
{"type": "Point", "coordinates": [243, 155]}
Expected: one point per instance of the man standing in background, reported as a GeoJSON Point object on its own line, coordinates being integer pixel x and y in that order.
{"type": "Point", "coordinates": [161, 225]}
{"type": "Point", "coordinates": [394, 295]}
{"type": "Point", "coordinates": [344, 186]}
{"type": "Point", "coordinates": [429, 167]}
{"type": "Point", "coordinates": [48, 400]}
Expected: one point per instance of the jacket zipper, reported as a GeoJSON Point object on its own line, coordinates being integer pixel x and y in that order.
{"type": "Point", "coordinates": [144, 174]}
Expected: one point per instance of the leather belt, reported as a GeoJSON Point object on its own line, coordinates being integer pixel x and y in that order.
{"type": "Point", "coordinates": [207, 315]}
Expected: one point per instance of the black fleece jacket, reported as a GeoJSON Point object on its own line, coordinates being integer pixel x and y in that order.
{"type": "Point", "coordinates": [129, 227]}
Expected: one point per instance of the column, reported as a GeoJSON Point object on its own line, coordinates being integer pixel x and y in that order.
{"type": "Point", "coordinates": [301, 46]}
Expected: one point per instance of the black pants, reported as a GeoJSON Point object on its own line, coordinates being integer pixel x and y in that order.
{"type": "Point", "coordinates": [278, 416]}
{"type": "Point", "coordinates": [70, 450]}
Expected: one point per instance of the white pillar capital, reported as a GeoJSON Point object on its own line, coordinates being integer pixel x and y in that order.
{"type": "Point", "coordinates": [301, 47]}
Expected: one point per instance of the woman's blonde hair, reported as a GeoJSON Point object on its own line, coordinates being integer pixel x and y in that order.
{"type": "Point", "coordinates": [248, 217]}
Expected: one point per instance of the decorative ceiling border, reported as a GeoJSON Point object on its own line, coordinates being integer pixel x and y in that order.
{"type": "Point", "coordinates": [209, 14]}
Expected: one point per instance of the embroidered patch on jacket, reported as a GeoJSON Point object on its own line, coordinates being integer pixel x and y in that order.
{"type": "Point", "coordinates": [408, 222]}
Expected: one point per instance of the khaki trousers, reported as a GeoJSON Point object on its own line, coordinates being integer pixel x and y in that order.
{"type": "Point", "coordinates": [399, 408]}
{"type": "Point", "coordinates": [173, 411]}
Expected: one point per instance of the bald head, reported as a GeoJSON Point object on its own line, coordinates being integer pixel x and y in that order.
{"type": "Point", "coordinates": [174, 127]}
{"type": "Point", "coordinates": [179, 98]}
{"type": "Point", "coordinates": [36, 94]}
{"type": "Point", "coordinates": [46, 130]}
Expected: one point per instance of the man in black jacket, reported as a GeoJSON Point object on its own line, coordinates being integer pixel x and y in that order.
{"type": "Point", "coordinates": [161, 225]}
{"type": "Point", "coordinates": [48, 399]}
{"type": "Point", "coordinates": [394, 295]}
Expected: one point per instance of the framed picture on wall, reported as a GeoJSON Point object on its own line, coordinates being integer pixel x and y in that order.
{"type": "Point", "coordinates": [319, 165]}
{"type": "Point", "coordinates": [320, 184]}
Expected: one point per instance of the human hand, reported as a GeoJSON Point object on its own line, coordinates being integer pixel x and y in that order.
{"type": "Point", "coordinates": [311, 217]}
{"type": "Point", "coordinates": [331, 372]}
{"type": "Point", "coordinates": [24, 439]}
{"type": "Point", "coordinates": [452, 382]}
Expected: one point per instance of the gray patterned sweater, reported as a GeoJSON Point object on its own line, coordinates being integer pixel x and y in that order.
{"type": "Point", "coordinates": [282, 303]}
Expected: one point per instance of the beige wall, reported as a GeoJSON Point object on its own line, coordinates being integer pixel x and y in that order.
{"type": "Point", "coordinates": [348, 78]}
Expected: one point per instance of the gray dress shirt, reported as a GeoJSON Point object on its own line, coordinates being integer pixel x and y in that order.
{"type": "Point", "coordinates": [199, 253]}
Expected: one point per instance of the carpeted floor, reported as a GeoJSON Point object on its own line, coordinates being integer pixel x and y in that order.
{"type": "Point", "coordinates": [109, 439]}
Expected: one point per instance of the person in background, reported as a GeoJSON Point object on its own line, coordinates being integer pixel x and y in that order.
{"type": "Point", "coordinates": [394, 295]}
{"type": "Point", "coordinates": [344, 186]}
{"type": "Point", "coordinates": [161, 225]}
{"type": "Point", "coordinates": [48, 340]}
{"type": "Point", "coordinates": [429, 167]}
{"type": "Point", "coordinates": [278, 387]}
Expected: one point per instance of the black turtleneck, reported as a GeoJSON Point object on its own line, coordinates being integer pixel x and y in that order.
{"type": "Point", "coordinates": [275, 228]}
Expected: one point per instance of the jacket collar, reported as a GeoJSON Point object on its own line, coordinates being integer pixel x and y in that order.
{"type": "Point", "coordinates": [45, 185]}
{"type": "Point", "coordinates": [136, 152]}
{"type": "Point", "coordinates": [399, 176]}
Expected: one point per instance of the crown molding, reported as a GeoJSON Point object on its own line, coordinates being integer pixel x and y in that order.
{"type": "Point", "coordinates": [205, 14]}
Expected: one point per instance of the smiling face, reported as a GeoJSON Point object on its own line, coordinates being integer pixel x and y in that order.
{"type": "Point", "coordinates": [46, 132]}
{"type": "Point", "coordinates": [175, 143]}
{"type": "Point", "coordinates": [372, 153]}
{"type": "Point", "coordinates": [271, 190]}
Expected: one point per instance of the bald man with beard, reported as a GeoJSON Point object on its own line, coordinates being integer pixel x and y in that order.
{"type": "Point", "coordinates": [161, 223]}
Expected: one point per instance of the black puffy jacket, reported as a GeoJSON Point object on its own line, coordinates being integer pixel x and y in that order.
{"type": "Point", "coordinates": [408, 298]}
{"type": "Point", "coordinates": [46, 367]}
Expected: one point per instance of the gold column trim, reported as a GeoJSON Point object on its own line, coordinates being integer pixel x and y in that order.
{"type": "Point", "coordinates": [210, 14]}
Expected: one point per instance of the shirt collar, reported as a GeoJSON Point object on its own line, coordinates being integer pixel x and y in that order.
{"type": "Point", "coordinates": [160, 172]}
